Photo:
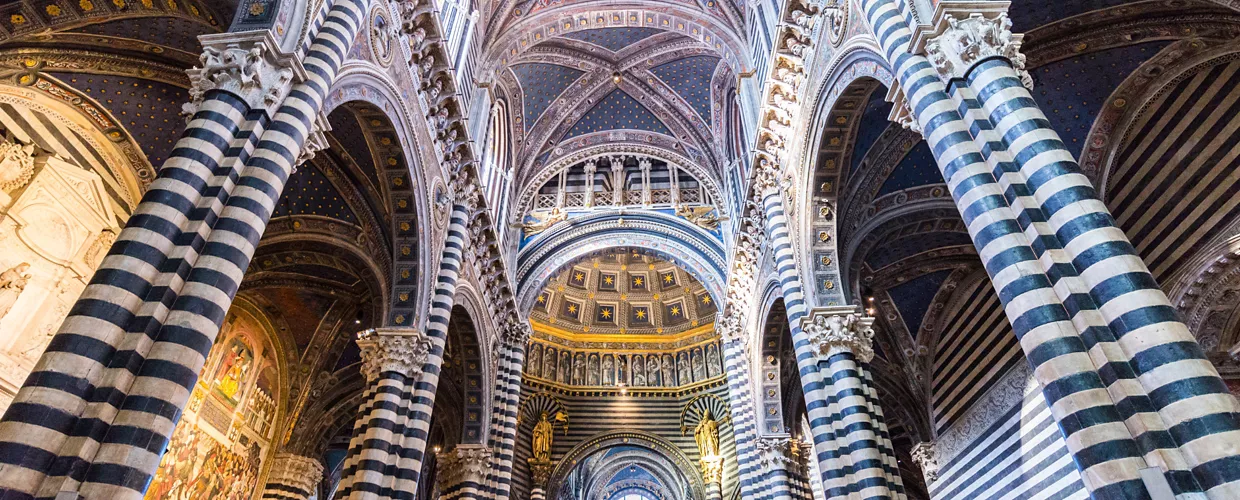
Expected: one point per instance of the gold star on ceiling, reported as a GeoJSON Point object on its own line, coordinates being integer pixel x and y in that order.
{"type": "Point", "coordinates": [542, 299]}
{"type": "Point", "coordinates": [675, 310]}
{"type": "Point", "coordinates": [608, 280]}
{"type": "Point", "coordinates": [579, 277]}
{"type": "Point", "coordinates": [668, 279]}
{"type": "Point", "coordinates": [706, 299]}
{"type": "Point", "coordinates": [572, 308]}
{"type": "Point", "coordinates": [637, 282]}
{"type": "Point", "coordinates": [606, 313]}
{"type": "Point", "coordinates": [641, 314]}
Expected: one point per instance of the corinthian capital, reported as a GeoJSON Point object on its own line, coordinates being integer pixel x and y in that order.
{"type": "Point", "coordinates": [963, 43]}
{"type": "Point", "coordinates": [774, 452]}
{"type": "Point", "coordinates": [465, 462]}
{"type": "Point", "coordinates": [401, 350]}
{"type": "Point", "coordinates": [834, 330]}
{"type": "Point", "coordinates": [249, 65]}
{"type": "Point", "coordinates": [923, 454]}
{"type": "Point", "coordinates": [297, 471]}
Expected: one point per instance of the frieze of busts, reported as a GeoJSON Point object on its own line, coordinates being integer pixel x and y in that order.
{"type": "Point", "coordinates": [965, 42]}
{"type": "Point", "coordinates": [833, 330]}
{"type": "Point", "coordinates": [249, 65]}
{"type": "Point", "coordinates": [400, 350]}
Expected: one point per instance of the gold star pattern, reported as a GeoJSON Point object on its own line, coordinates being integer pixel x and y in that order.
{"type": "Point", "coordinates": [572, 308]}
{"type": "Point", "coordinates": [706, 300]}
{"type": "Point", "coordinates": [579, 277]}
{"type": "Point", "coordinates": [675, 310]}
{"type": "Point", "coordinates": [606, 313]}
{"type": "Point", "coordinates": [609, 280]}
{"type": "Point", "coordinates": [637, 281]}
{"type": "Point", "coordinates": [668, 279]}
{"type": "Point", "coordinates": [641, 314]}
{"type": "Point", "coordinates": [542, 299]}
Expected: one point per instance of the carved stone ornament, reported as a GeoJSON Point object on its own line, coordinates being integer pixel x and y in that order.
{"type": "Point", "coordinates": [540, 472]}
{"type": "Point", "coordinates": [766, 177]}
{"type": "Point", "coordinates": [966, 42]}
{"type": "Point", "coordinates": [297, 471]}
{"type": "Point", "coordinates": [249, 65]}
{"type": "Point", "coordinates": [712, 469]}
{"type": "Point", "coordinates": [316, 141]}
{"type": "Point", "coordinates": [402, 350]}
{"type": "Point", "coordinates": [840, 329]}
{"type": "Point", "coordinates": [774, 452]}
{"type": "Point", "coordinates": [465, 462]}
{"type": "Point", "coordinates": [923, 454]}
{"type": "Point", "coordinates": [901, 112]}
{"type": "Point", "coordinates": [16, 165]}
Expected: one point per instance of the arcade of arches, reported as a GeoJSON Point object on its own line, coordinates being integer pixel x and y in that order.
{"type": "Point", "coordinates": [619, 250]}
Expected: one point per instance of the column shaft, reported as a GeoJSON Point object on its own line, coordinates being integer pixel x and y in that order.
{"type": "Point", "coordinates": [817, 399]}
{"type": "Point", "coordinates": [504, 420]}
{"type": "Point", "coordinates": [1095, 432]}
{"type": "Point", "coordinates": [744, 420]}
{"type": "Point", "coordinates": [376, 468]}
{"type": "Point", "coordinates": [1143, 421]}
{"type": "Point", "coordinates": [1184, 387]}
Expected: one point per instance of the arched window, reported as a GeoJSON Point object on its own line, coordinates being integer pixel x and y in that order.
{"type": "Point", "coordinates": [633, 494]}
{"type": "Point", "coordinates": [496, 170]}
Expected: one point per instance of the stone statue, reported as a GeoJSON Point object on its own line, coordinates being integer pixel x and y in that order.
{"type": "Point", "coordinates": [534, 225]}
{"type": "Point", "coordinates": [12, 283]}
{"type": "Point", "coordinates": [707, 434]}
{"type": "Point", "coordinates": [705, 217]}
{"type": "Point", "coordinates": [543, 435]}
{"type": "Point", "coordinates": [16, 165]}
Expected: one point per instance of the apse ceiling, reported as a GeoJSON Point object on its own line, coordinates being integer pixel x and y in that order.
{"type": "Point", "coordinates": [623, 292]}
{"type": "Point", "coordinates": [649, 85]}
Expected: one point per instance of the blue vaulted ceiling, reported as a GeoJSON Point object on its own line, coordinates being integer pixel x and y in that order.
{"type": "Point", "coordinates": [918, 168]}
{"type": "Point", "coordinates": [1072, 91]}
{"type": "Point", "coordinates": [908, 246]}
{"type": "Point", "coordinates": [613, 39]}
{"type": "Point", "coordinates": [541, 84]}
{"type": "Point", "coordinates": [873, 123]}
{"type": "Point", "coordinates": [690, 78]}
{"type": "Point", "coordinates": [1030, 14]}
{"type": "Point", "coordinates": [309, 192]}
{"type": "Point", "coordinates": [913, 298]}
{"type": "Point", "coordinates": [618, 110]}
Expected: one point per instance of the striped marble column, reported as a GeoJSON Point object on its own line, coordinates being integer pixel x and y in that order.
{"type": "Point", "coordinates": [359, 479]}
{"type": "Point", "coordinates": [753, 482]}
{"type": "Point", "coordinates": [393, 360]}
{"type": "Point", "coordinates": [1094, 429]}
{"type": "Point", "coordinates": [129, 450]}
{"type": "Point", "coordinates": [293, 477]}
{"type": "Point", "coordinates": [712, 476]}
{"type": "Point", "coordinates": [844, 341]}
{"type": "Point", "coordinates": [890, 464]}
{"type": "Point", "coordinates": [1156, 443]}
{"type": "Point", "coordinates": [540, 473]}
{"type": "Point", "coordinates": [507, 406]}
{"type": "Point", "coordinates": [462, 472]}
{"type": "Point", "coordinates": [774, 461]}
{"type": "Point", "coordinates": [1182, 384]}
{"type": "Point", "coordinates": [817, 398]}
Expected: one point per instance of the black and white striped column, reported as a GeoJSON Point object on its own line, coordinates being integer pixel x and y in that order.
{"type": "Point", "coordinates": [293, 477]}
{"type": "Point", "coordinates": [1103, 447]}
{"type": "Point", "coordinates": [503, 435]}
{"type": "Point", "coordinates": [1182, 385]}
{"type": "Point", "coordinates": [844, 341]}
{"type": "Point", "coordinates": [375, 469]}
{"type": "Point", "coordinates": [393, 360]}
{"type": "Point", "coordinates": [754, 482]}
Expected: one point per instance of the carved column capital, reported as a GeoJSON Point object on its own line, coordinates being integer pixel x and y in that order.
{"type": "Point", "coordinates": [316, 140]}
{"type": "Point", "coordinates": [712, 469]}
{"type": "Point", "coordinates": [961, 39]}
{"type": "Point", "coordinates": [729, 325]}
{"type": "Point", "coordinates": [923, 454]}
{"type": "Point", "coordinates": [465, 462]}
{"type": "Point", "coordinates": [774, 452]}
{"type": "Point", "coordinates": [297, 471]}
{"type": "Point", "coordinates": [540, 472]}
{"type": "Point", "coordinates": [838, 329]}
{"type": "Point", "coordinates": [248, 64]}
{"type": "Point", "coordinates": [402, 350]}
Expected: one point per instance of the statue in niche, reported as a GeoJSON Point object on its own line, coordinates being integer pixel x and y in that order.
{"type": "Point", "coordinates": [706, 433]}
{"type": "Point", "coordinates": [699, 367]}
{"type": "Point", "coordinates": [592, 370]}
{"type": "Point", "coordinates": [535, 362]}
{"type": "Point", "coordinates": [622, 375]}
{"type": "Point", "coordinates": [669, 371]}
{"type": "Point", "coordinates": [609, 370]}
{"type": "Point", "coordinates": [712, 360]}
{"type": "Point", "coordinates": [549, 358]}
{"type": "Point", "coordinates": [639, 371]}
{"type": "Point", "coordinates": [12, 283]}
{"type": "Point", "coordinates": [579, 369]}
{"type": "Point", "coordinates": [543, 436]}
{"type": "Point", "coordinates": [652, 371]}
{"type": "Point", "coordinates": [566, 367]}
{"type": "Point", "coordinates": [682, 366]}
